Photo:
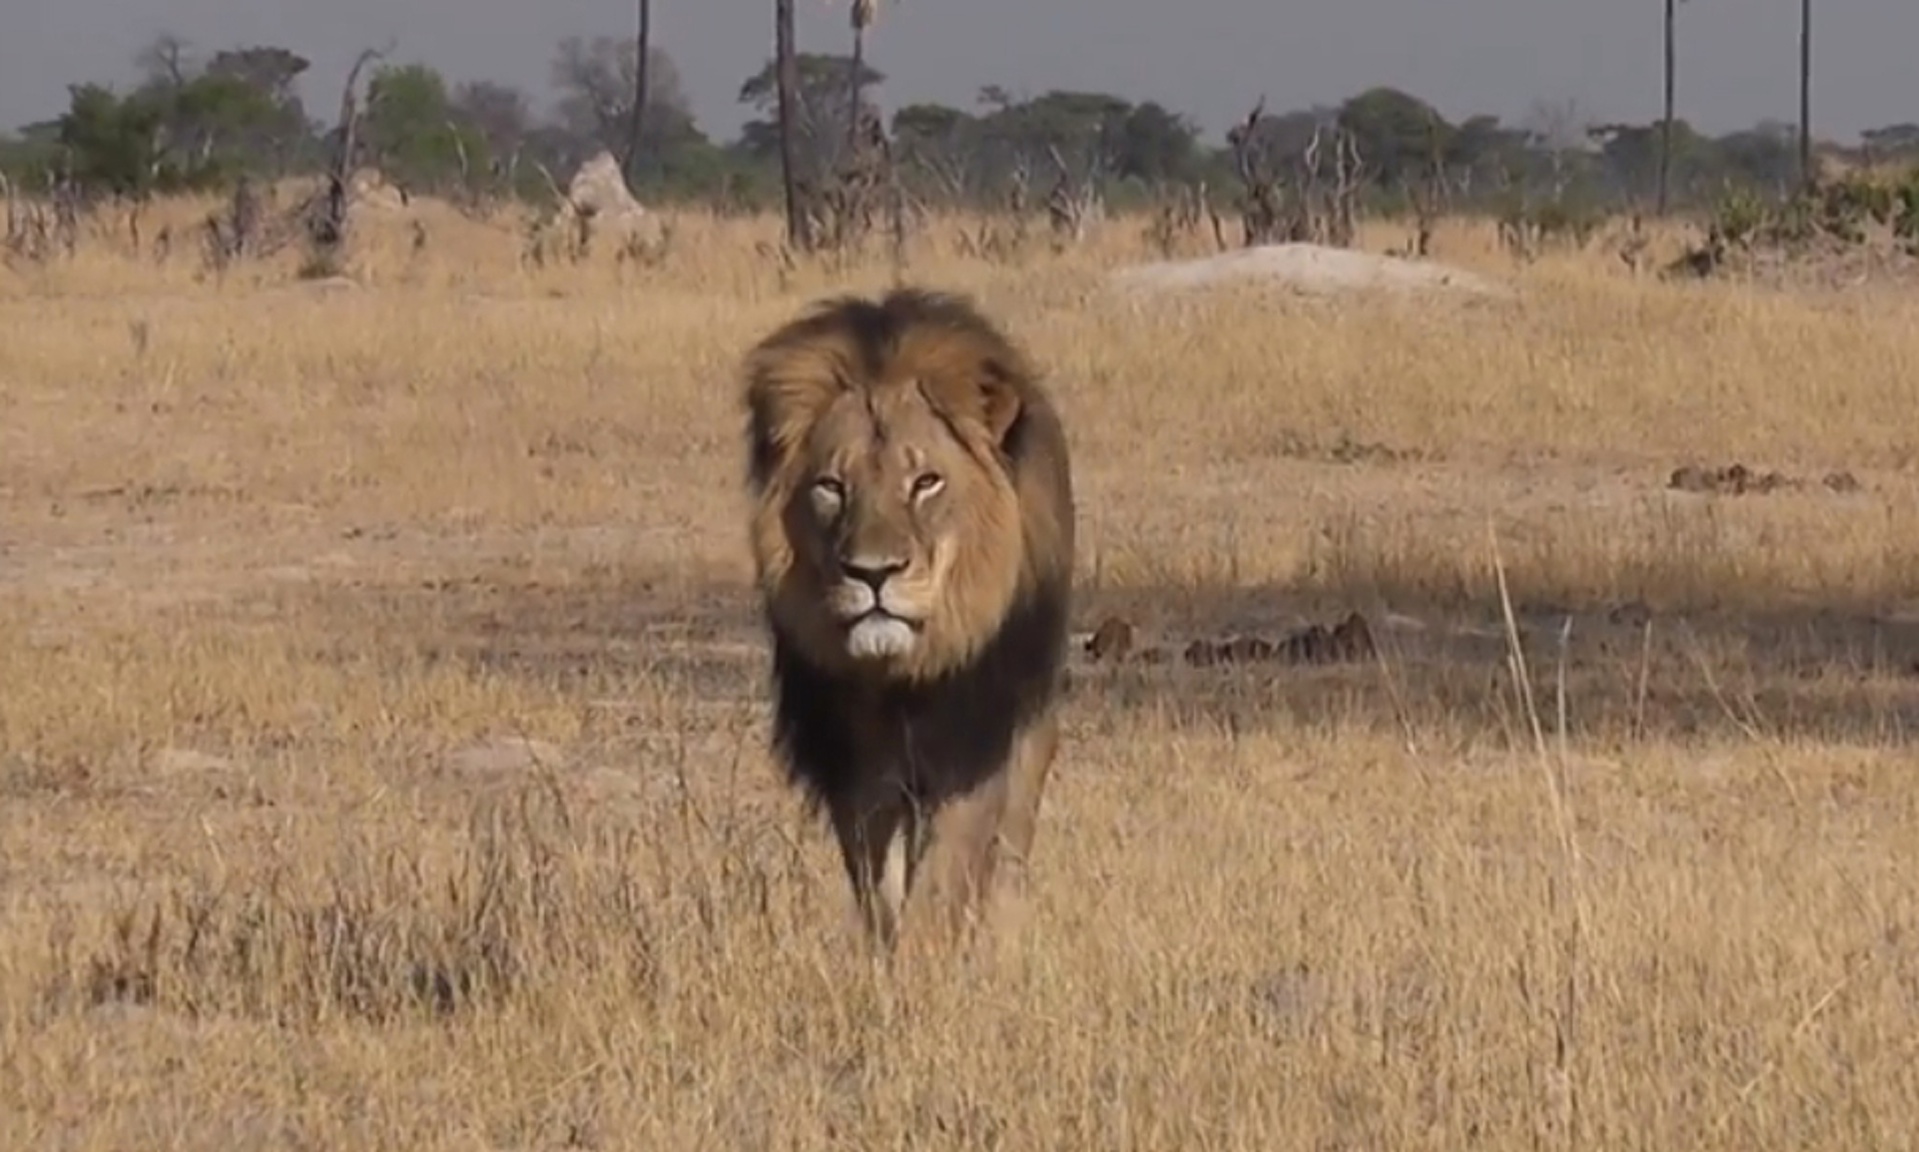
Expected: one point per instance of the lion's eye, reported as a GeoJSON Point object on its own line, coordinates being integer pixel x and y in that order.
{"type": "Point", "coordinates": [927, 483]}
{"type": "Point", "coordinates": [828, 493]}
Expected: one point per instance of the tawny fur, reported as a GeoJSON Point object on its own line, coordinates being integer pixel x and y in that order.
{"type": "Point", "coordinates": [874, 397]}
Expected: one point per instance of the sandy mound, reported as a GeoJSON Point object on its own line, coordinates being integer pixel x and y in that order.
{"type": "Point", "coordinates": [599, 192]}
{"type": "Point", "coordinates": [1310, 268]}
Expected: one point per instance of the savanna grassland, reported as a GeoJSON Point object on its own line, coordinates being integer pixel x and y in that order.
{"type": "Point", "coordinates": [382, 723]}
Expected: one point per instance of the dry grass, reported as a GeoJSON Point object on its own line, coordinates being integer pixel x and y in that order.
{"type": "Point", "coordinates": [380, 738]}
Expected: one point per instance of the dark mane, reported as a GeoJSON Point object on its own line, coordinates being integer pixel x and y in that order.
{"type": "Point", "coordinates": [947, 735]}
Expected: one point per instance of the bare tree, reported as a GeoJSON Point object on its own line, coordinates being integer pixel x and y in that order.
{"type": "Point", "coordinates": [597, 78]}
{"type": "Point", "coordinates": [1665, 124]}
{"type": "Point", "coordinates": [327, 224]}
{"type": "Point", "coordinates": [787, 69]}
{"type": "Point", "coordinates": [1262, 198]}
{"type": "Point", "coordinates": [165, 61]}
{"type": "Point", "coordinates": [642, 37]}
{"type": "Point", "coordinates": [864, 13]}
{"type": "Point", "coordinates": [1806, 175]}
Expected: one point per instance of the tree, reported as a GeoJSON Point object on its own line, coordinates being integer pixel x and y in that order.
{"type": "Point", "coordinates": [1665, 123]}
{"type": "Point", "coordinates": [1638, 155]}
{"type": "Point", "coordinates": [30, 154]}
{"type": "Point", "coordinates": [160, 138]}
{"type": "Point", "coordinates": [410, 130]}
{"type": "Point", "coordinates": [820, 106]}
{"type": "Point", "coordinates": [1083, 131]}
{"type": "Point", "coordinates": [1893, 140]}
{"type": "Point", "coordinates": [269, 70]}
{"type": "Point", "coordinates": [642, 50]}
{"type": "Point", "coordinates": [1157, 144]}
{"type": "Point", "coordinates": [239, 113]}
{"type": "Point", "coordinates": [498, 113]}
{"type": "Point", "coordinates": [786, 66]}
{"type": "Point", "coordinates": [1396, 132]}
{"type": "Point", "coordinates": [598, 79]}
{"type": "Point", "coordinates": [1764, 156]}
{"type": "Point", "coordinates": [163, 62]}
{"type": "Point", "coordinates": [864, 14]}
{"type": "Point", "coordinates": [266, 123]}
{"type": "Point", "coordinates": [112, 143]}
{"type": "Point", "coordinates": [1806, 176]}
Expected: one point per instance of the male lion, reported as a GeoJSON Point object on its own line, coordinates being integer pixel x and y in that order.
{"type": "Point", "coordinates": [912, 531]}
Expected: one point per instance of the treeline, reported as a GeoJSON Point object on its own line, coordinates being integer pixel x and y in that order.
{"type": "Point", "coordinates": [201, 124]}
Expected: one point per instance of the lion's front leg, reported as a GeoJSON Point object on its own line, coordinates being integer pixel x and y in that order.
{"type": "Point", "coordinates": [868, 823]}
{"type": "Point", "coordinates": [1010, 848]}
{"type": "Point", "coordinates": [1033, 753]}
{"type": "Point", "coordinates": [955, 871]}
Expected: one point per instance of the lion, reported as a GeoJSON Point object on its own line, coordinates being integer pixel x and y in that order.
{"type": "Point", "coordinates": [911, 527]}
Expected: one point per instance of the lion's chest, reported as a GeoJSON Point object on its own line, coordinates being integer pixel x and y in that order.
{"type": "Point", "coordinates": [934, 741]}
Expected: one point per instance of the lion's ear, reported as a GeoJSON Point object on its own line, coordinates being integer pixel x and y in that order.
{"type": "Point", "coordinates": [999, 402]}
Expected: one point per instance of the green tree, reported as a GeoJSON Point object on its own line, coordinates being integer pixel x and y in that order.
{"type": "Point", "coordinates": [29, 155]}
{"type": "Point", "coordinates": [938, 149]}
{"type": "Point", "coordinates": [1762, 157]}
{"type": "Point", "coordinates": [1085, 131]}
{"type": "Point", "coordinates": [410, 131]}
{"type": "Point", "coordinates": [1156, 144]}
{"type": "Point", "coordinates": [112, 143]}
{"type": "Point", "coordinates": [1643, 158]}
{"type": "Point", "coordinates": [1396, 133]}
{"type": "Point", "coordinates": [239, 113]}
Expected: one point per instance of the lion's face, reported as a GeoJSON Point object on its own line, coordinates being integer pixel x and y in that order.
{"type": "Point", "coordinates": [904, 532]}
{"type": "Point", "coordinates": [909, 487]}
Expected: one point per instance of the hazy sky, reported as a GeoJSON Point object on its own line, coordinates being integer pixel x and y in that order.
{"type": "Point", "coordinates": [1210, 58]}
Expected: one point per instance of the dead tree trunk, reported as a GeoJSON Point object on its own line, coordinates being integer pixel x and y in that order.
{"type": "Point", "coordinates": [642, 41]}
{"type": "Point", "coordinates": [327, 227]}
{"type": "Point", "coordinates": [863, 13]}
{"type": "Point", "coordinates": [1807, 177]}
{"type": "Point", "coordinates": [787, 76]}
{"type": "Point", "coordinates": [1261, 209]}
{"type": "Point", "coordinates": [1665, 123]}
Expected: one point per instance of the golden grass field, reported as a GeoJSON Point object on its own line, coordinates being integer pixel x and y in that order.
{"type": "Point", "coordinates": [382, 731]}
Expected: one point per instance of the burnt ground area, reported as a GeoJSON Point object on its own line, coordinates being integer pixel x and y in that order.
{"type": "Point", "coordinates": [1828, 673]}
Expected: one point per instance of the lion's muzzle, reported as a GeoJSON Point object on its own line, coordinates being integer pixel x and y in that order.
{"type": "Point", "coordinates": [880, 622]}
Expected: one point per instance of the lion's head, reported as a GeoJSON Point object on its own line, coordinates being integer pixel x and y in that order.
{"type": "Point", "coordinates": [909, 483]}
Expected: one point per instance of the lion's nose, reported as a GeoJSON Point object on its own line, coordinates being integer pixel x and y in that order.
{"type": "Point", "coordinates": [871, 572]}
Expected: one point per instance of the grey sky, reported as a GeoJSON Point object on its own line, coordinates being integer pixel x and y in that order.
{"type": "Point", "coordinates": [1210, 58]}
